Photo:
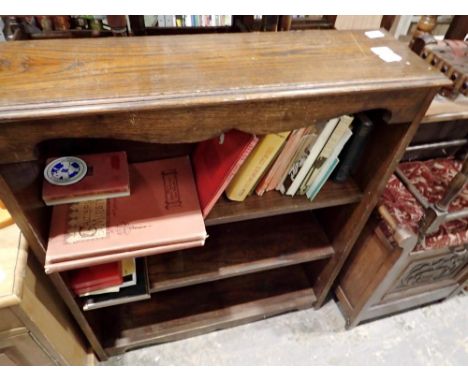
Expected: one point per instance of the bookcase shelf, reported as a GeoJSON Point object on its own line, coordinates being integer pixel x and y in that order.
{"type": "Point", "coordinates": [185, 312]}
{"type": "Point", "coordinates": [178, 90]}
{"type": "Point", "coordinates": [239, 248]}
{"type": "Point", "coordinates": [274, 203]}
{"type": "Point", "coordinates": [443, 109]}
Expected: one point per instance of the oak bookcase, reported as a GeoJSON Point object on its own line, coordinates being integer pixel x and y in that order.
{"type": "Point", "coordinates": [155, 97]}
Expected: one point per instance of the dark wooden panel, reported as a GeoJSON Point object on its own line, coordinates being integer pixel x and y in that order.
{"type": "Point", "coordinates": [384, 150]}
{"type": "Point", "coordinates": [42, 78]}
{"type": "Point", "coordinates": [458, 28]}
{"type": "Point", "coordinates": [240, 248]}
{"type": "Point", "coordinates": [190, 124]}
{"type": "Point", "coordinates": [24, 187]}
{"type": "Point", "coordinates": [186, 312]}
{"type": "Point", "coordinates": [274, 203]}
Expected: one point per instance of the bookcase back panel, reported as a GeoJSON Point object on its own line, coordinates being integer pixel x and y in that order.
{"type": "Point", "coordinates": [137, 151]}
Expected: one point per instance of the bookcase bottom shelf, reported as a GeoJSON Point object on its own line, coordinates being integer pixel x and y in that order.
{"type": "Point", "coordinates": [185, 312]}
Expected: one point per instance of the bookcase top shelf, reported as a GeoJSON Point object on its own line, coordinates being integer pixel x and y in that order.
{"type": "Point", "coordinates": [51, 78]}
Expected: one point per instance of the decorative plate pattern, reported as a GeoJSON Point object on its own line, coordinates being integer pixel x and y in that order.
{"type": "Point", "coordinates": [64, 171]}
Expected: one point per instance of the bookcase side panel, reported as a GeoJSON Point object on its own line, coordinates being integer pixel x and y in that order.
{"type": "Point", "coordinates": [382, 154]}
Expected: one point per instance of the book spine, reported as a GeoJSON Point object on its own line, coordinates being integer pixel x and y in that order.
{"type": "Point", "coordinates": [285, 161]}
{"type": "Point", "coordinates": [315, 188]}
{"type": "Point", "coordinates": [354, 149]}
{"type": "Point", "coordinates": [262, 186]}
{"type": "Point", "coordinates": [254, 166]}
{"type": "Point", "coordinates": [168, 19]}
{"type": "Point", "coordinates": [231, 175]}
{"type": "Point", "coordinates": [161, 21]}
{"type": "Point", "coordinates": [333, 147]}
{"type": "Point", "coordinates": [314, 152]}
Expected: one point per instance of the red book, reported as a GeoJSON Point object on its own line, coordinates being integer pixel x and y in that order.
{"type": "Point", "coordinates": [215, 163]}
{"type": "Point", "coordinates": [90, 279]}
{"type": "Point", "coordinates": [161, 213]}
{"type": "Point", "coordinates": [106, 177]}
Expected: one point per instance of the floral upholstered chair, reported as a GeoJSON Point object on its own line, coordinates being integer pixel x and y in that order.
{"type": "Point", "coordinates": [424, 210]}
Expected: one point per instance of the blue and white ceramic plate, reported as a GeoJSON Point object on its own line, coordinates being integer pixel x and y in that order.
{"type": "Point", "coordinates": [65, 171]}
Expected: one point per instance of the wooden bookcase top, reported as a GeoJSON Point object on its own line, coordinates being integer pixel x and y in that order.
{"type": "Point", "coordinates": [50, 78]}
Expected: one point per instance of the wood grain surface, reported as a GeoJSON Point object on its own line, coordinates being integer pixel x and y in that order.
{"type": "Point", "coordinates": [240, 248]}
{"type": "Point", "coordinates": [64, 77]}
{"type": "Point", "coordinates": [274, 203]}
{"type": "Point", "coordinates": [185, 312]}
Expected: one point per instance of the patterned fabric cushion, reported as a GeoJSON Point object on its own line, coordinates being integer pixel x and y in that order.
{"type": "Point", "coordinates": [431, 179]}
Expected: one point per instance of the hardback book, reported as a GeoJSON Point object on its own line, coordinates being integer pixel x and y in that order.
{"type": "Point", "coordinates": [106, 177]}
{"type": "Point", "coordinates": [279, 165]}
{"type": "Point", "coordinates": [90, 279]}
{"type": "Point", "coordinates": [139, 291]}
{"type": "Point", "coordinates": [255, 165]}
{"type": "Point", "coordinates": [127, 272]}
{"type": "Point", "coordinates": [349, 157]}
{"type": "Point", "coordinates": [323, 175]}
{"type": "Point", "coordinates": [306, 157]}
{"type": "Point", "coordinates": [109, 257]}
{"type": "Point", "coordinates": [161, 213]}
{"type": "Point", "coordinates": [215, 163]}
{"type": "Point", "coordinates": [332, 148]}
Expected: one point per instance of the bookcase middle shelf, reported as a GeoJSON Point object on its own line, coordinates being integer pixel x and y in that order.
{"type": "Point", "coordinates": [241, 248]}
{"type": "Point", "coordinates": [274, 203]}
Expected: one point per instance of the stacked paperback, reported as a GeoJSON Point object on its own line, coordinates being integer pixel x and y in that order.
{"type": "Point", "coordinates": [160, 213]}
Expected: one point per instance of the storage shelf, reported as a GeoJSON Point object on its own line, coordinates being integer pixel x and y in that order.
{"type": "Point", "coordinates": [274, 203]}
{"type": "Point", "coordinates": [186, 312]}
{"type": "Point", "coordinates": [443, 109]}
{"type": "Point", "coordinates": [240, 248]}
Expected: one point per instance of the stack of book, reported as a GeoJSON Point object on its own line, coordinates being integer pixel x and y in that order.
{"type": "Point", "coordinates": [294, 163]}
{"type": "Point", "coordinates": [98, 221]}
{"type": "Point", "coordinates": [111, 283]}
{"type": "Point", "coordinates": [193, 20]}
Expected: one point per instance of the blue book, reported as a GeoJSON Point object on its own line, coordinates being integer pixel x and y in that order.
{"type": "Point", "coordinates": [325, 172]}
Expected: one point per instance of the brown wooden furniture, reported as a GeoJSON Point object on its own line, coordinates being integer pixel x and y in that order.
{"type": "Point", "coordinates": [36, 327]}
{"type": "Point", "coordinates": [387, 273]}
{"type": "Point", "coordinates": [78, 96]}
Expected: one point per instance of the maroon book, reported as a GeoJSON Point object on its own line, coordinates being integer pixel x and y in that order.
{"type": "Point", "coordinates": [90, 279]}
{"type": "Point", "coordinates": [106, 177]}
{"type": "Point", "coordinates": [215, 163]}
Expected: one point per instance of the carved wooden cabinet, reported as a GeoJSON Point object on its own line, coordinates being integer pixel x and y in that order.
{"type": "Point", "coordinates": [155, 97]}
